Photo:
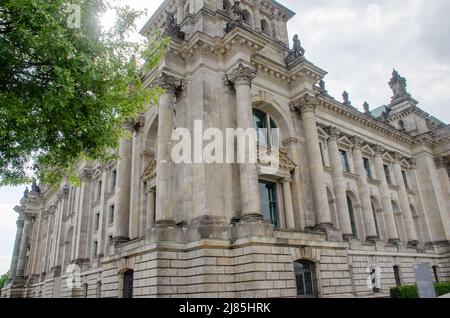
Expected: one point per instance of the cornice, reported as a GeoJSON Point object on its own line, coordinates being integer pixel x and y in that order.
{"type": "Point", "coordinates": [364, 119]}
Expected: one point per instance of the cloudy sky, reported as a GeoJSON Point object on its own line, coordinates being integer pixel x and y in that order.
{"type": "Point", "coordinates": [358, 42]}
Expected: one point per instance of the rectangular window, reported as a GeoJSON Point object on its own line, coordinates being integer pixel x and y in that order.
{"type": "Point", "coordinates": [405, 179]}
{"type": "Point", "coordinates": [321, 153]}
{"type": "Point", "coordinates": [269, 206]}
{"type": "Point", "coordinates": [97, 221]}
{"type": "Point", "coordinates": [111, 214]}
{"type": "Point", "coordinates": [95, 248]}
{"type": "Point", "coordinates": [398, 280]}
{"type": "Point", "coordinates": [387, 172]}
{"type": "Point", "coordinates": [367, 168]}
{"type": "Point", "coordinates": [344, 161]}
{"type": "Point", "coordinates": [99, 190]}
{"type": "Point", "coordinates": [113, 180]}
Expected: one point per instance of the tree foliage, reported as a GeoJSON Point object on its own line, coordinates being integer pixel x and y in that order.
{"type": "Point", "coordinates": [66, 88]}
{"type": "Point", "coordinates": [3, 280]}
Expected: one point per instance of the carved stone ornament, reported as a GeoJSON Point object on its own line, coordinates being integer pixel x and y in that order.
{"type": "Point", "coordinates": [85, 175]}
{"type": "Point", "coordinates": [379, 150]}
{"type": "Point", "coordinates": [306, 103]}
{"type": "Point", "coordinates": [240, 74]}
{"type": "Point", "coordinates": [172, 28]}
{"type": "Point", "coordinates": [398, 86]}
{"type": "Point", "coordinates": [170, 84]}
{"type": "Point", "coordinates": [297, 52]}
{"type": "Point", "coordinates": [439, 162]}
{"type": "Point", "coordinates": [358, 142]}
{"type": "Point", "coordinates": [397, 157]}
{"type": "Point", "coordinates": [334, 132]}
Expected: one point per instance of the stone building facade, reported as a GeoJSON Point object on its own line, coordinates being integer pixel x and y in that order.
{"type": "Point", "coordinates": [355, 191]}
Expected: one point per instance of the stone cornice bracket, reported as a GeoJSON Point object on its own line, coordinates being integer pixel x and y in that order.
{"type": "Point", "coordinates": [170, 84]}
{"type": "Point", "coordinates": [379, 150]}
{"type": "Point", "coordinates": [86, 175]}
{"type": "Point", "coordinates": [241, 74]}
{"type": "Point", "coordinates": [305, 104]}
{"type": "Point", "coordinates": [333, 132]}
{"type": "Point", "coordinates": [358, 142]}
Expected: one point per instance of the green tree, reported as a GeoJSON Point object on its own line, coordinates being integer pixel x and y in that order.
{"type": "Point", "coordinates": [3, 280]}
{"type": "Point", "coordinates": [67, 85]}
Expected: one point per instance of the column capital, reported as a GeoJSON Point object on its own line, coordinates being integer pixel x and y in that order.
{"type": "Point", "coordinates": [20, 222]}
{"type": "Point", "coordinates": [379, 150]}
{"type": "Point", "coordinates": [241, 74]}
{"type": "Point", "coordinates": [134, 125]}
{"type": "Point", "coordinates": [170, 84]}
{"type": "Point", "coordinates": [358, 142]}
{"type": "Point", "coordinates": [86, 175]}
{"type": "Point", "coordinates": [305, 104]}
{"type": "Point", "coordinates": [413, 163]}
{"type": "Point", "coordinates": [439, 162]}
{"type": "Point", "coordinates": [64, 193]}
{"type": "Point", "coordinates": [334, 133]}
{"type": "Point", "coordinates": [287, 180]}
{"type": "Point", "coordinates": [397, 157]}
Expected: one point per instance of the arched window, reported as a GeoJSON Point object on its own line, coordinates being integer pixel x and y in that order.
{"type": "Point", "coordinates": [416, 220]}
{"type": "Point", "coordinates": [351, 212]}
{"type": "Point", "coordinates": [266, 129]}
{"type": "Point", "coordinates": [265, 27]}
{"type": "Point", "coordinates": [305, 276]}
{"type": "Point", "coordinates": [398, 279]}
{"type": "Point", "coordinates": [128, 278]}
{"type": "Point", "coordinates": [247, 17]}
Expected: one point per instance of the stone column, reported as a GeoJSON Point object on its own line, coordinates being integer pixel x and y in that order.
{"type": "Point", "coordinates": [307, 106]}
{"type": "Point", "coordinates": [24, 246]}
{"type": "Point", "coordinates": [17, 244]}
{"type": "Point", "coordinates": [288, 207]}
{"type": "Point", "coordinates": [339, 184]}
{"type": "Point", "coordinates": [150, 208]}
{"type": "Point", "coordinates": [393, 235]}
{"type": "Point", "coordinates": [363, 189]}
{"type": "Point", "coordinates": [441, 166]}
{"type": "Point", "coordinates": [123, 188]}
{"type": "Point", "coordinates": [411, 232]}
{"type": "Point", "coordinates": [242, 78]}
{"type": "Point", "coordinates": [164, 171]}
{"type": "Point", "coordinates": [83, 217]}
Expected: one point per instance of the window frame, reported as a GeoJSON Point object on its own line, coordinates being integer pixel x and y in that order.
{"type": "Point", "coordinates": [345, 161]}
{"type": "Point", "coordinates": [313, 282]}
{"type": "Point", "coordinates": [275, 219]}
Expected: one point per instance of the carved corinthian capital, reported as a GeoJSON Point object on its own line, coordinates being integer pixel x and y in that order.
{"type": "Point", "coordinates": [170, 84]}
{"type": "Point", "coordinates": [241, 74]}
{"type": "Point", "coordinates": [305, 104]}
{"type": "Point", "coordinates": [358, 142]}
{"type": "Point", "coordinates": [334, 132]}
{"type": "Point", "coordinates": [379, 150]}
{"type": "Point", "coordinates": [86, 175]}
{"type": "Point", "coordinates": [397, 157]}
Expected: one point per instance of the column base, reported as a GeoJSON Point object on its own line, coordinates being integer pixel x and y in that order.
{"type": "Point", "coordinates": [208, 227]}
{"type": "Point", "coordinates": [348, 237]}
{"type": "Point", "coordinates": [394, 241]}
{"type": "Point", "coordinates": [413, 243]}
{"type": "Point", "coordinates": [252, 217]}
{"type": "Point", "coordinates": [165, 231]}
{"type": "Point", "coordinates": [323, 227]}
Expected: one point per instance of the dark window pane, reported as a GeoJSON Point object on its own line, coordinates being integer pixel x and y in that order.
{"type": "Point", "coordinates": [367, 168]}
{"type": "Point", "coordinates": [398, 281]}
{"type": "Point", "coordinates": [387, 172]}
{"type": "Point", "coordinates": [260, 124]}
{"type": "Point", "coordinates": [344, 161]}
{"type": "Point", "coordinates": [269, 206]}
{"type": "Point", "coordinates": [305, 279]}
{"type": "Point", "coordinates": [351, 212]}
{"type": "Point", "coordinates": [128, 284]}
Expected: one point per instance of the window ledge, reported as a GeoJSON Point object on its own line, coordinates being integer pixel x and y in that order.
{"type": "Point", "coordinates": [394, 187]}
{"type": "Point", "coordinates": [374, 181]}
{"type": "Point", "coordinates": [351, 175]}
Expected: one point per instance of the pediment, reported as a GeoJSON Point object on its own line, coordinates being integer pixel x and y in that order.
{"type": "Point", "coordinates": [388, 157]}
{"type": "Point", "coordinates": [345, 142]}
{"type": "Point", "coordinates": [322, 134]}
{"type": "Point", "coordinates": [368, 151]}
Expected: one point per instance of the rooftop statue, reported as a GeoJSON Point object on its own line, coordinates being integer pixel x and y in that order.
{"type": "Point", "coordinates": [35, 187]}
{"type": "Point", "coordinates": [297, 52]}
{"type": "Point", "coordinates": [345, 96]}
{"type": "Point", "coordinates": [366, 108]}
{"type": "Point", "coordinates": [173, 29]}
{"type": "Point", "coordinates": [398, 86]}
{"type": "Point", "coordinates": [238, 15]}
